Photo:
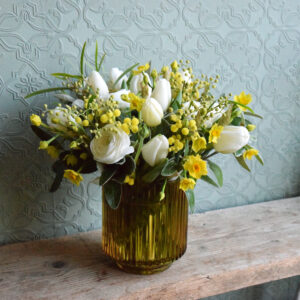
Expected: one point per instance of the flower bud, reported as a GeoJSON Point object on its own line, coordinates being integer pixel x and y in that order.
{"type": "Point", "coordinates": [117, 96]}
{"type": "Point", "coordinates": [156, 150]}
{"type": "Point", "coordinates": [137, 85]}
{"type": "Point", "coordinates": [162, 93]}
{"type": "Point", "coordinates": [98, 84]}
{"type": "Point", "coordinates": [115, 73]}
{"type": "Point", "coordinates": [232, 138]}
{"type": "Point", "coordinates": [152, 112]}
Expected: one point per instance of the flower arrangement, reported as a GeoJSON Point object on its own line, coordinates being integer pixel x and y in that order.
{"type": "Point", "coordinates": [143, 125]}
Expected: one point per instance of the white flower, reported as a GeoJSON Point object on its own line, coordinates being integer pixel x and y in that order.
{"type": "Point", "coordinates": [114, 75]}
{"type": "Point", "coordinates": [232, 139]}
{"type": "Point", "coordinates": [117, 97]}
{"type": "Point", "coordinates": [152, 112]}
{"type": "Point", "coordinates": [162, 93]}
{"type": "Point", "coordinates": [79, 103]}
{"type": "Point", "coordinates": [59, 118]}
{"type": "Point", "coordinates": [112, 146]}
{"type": "Point", "coordinates": [137, 85]}
{"type": "Point", "coordinates": [97, 83]}
{"type": "Point", "coordinates": [156, 150]}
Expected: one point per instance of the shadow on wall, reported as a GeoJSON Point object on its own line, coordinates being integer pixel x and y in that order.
{"type": "Point", "coordinates": [27, 210]}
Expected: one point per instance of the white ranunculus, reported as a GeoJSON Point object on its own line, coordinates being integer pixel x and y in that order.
{"type": "Point", "coordinates": [97, 83]}
{"type": "Point", "coordinates": [152, 112]}
{"type": "Point", "coordinates": [156, 150]}
{"type": "Point", "coordinates": [162, 93]}
{"type": "Point", "coordinates": [114, 75]}
{"type": "Point", "coordinates": [61, 117]}
{"type": "Point", "coordinates": [112, 146]}
{"type": "Point", "coordinates": [137, 83]}
{"type": "Point", "coordinates": [232, 139]}
{"type": "Point", "coordinates": [117, 97]}
{"type": "Point", "coordinates": [79, 103]}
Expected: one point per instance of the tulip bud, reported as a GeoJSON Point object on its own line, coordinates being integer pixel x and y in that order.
{"type": "Point", "coordinates": [137, 85]}
{"type": "Point", "coordinates": [152, 112]}
{"type": "Point", "coordinates": [162, 93]}
{"type": "Point", "coordinates": [98, 84]}
{"type": "Point", "coordinates": [232, 138]}
{"type": "Point", "coordinates": [115, 73]}
{"type": "Point", "coordinates": [156, 150]}
{"type": "Point", "coordinates": [117, 96]}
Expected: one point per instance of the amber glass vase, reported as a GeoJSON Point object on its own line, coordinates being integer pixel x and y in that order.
{"type": "Point", "coordinates": [145, 235]}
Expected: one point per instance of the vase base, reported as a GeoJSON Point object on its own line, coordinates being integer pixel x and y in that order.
{"type": "Point", "coordinates": [143, 270]}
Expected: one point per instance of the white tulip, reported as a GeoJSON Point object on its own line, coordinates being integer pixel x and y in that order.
{"type": "Point", "coordinates": [58, 118]}
{"type": "Point", "coordinates": [162, 93]}
{"type": "Point", "coordinates": [232, 139]}
{"type": "Point", "coordinates": [111, 146]}
{"type": "Point", "coordinates": [79, 103]}
{"type": "Point", "coordinates": [97, 83]}
{"type": "Point", "coordinates": [152, 112]}
{"type": "Point", "coordinates": [156, 150]}
{"type": "Point", "coordinates": [115, 73]}
{"type": "Point", "coordinates": [137, 85]}
{"type": "Point", "coordinates": [117, 97]}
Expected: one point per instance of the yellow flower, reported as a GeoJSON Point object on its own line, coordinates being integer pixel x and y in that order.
{"type": "Point", "coordinates": [135, 121]}
{"type": "Point", "coordinates": [73, 176]}
{"type": "Point", "coordinates": [198, 144]}
{"type": "Point", "coordinates": [141, 69]}
{"type": "Point", "coordinates": [71, 159]}
{"type": "Point", "coordinates": [249, 153]}
{"type": "Point", "coordinates": [136, 102]}
{"type": "Point", "coordinates": [125, 127]}
{"type": "Point", "coordinates": [117, 113]}
{"type": "Point", "coordinates": [185, 131]}
{"type": "Point", "coordinates": [129, 179]}
{"type": "Point", "coordinates": [85, 123]}
{"type": "Point", "coordinates": [214, 133]}
{"type": "Point", "coordinates": [104, 118]}
{"type": "Point", "coordinates": [243, 99]}
{"type": "Point", "coordinates": [134, 129]}
{"type": "Point", "coordinates": [35, 120]}
{"type": "Point", "coordinates": [43, 145]}
{"type": "Point", "coordinates": [52, 151]}
{"type": "Point", "coordinates": [195, 166]}
{"type": "Point", "coordinates": [174, 128]}
{"type": "Point", "coordinates": [187, 184]}
{"type": "Point", "coordinates": [251, 127]}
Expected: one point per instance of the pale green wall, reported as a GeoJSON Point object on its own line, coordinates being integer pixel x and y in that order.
{"type": "Point", "coordinates": [253, 45]}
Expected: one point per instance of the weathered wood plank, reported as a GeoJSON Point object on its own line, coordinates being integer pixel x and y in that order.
{"type": "Point", "coordinates": [227, 250]}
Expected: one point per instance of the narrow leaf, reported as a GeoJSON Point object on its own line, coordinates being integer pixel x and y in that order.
{"type": "Point", "coordinates": [241, 161]}
{"type": "Point", "coordinates": [96, 56]}
{"type": "Point", "coordinates": [112, 193]}
{"type": "Point", "coordinates": [209, 180]}
{"type": "Point", "coordinates": [81, 59]}
{"type": "Point", "coordinates": [217, 172]}
{"type": "Point", "coordinates": [253, 115]}
{"type": "Point", "coordinates": [65, 75]}
{"type": "Point", "coordinates": [177, 101]}
{"type": "Point", "coordinates": [259, 158]}
{"type": "Point", "coordinates": [101, 62]}
{"type": "Point", "coordinates": [186, 148]}
{"type": "Point", "coordinates": [124, 73]}
{"type": "Point", "coordinates": [124, 85]}
{"type": "Point", "coordinates": [58, 167]}
{"type": "Point", "coordinates": [191, 199]}
{"type": "Point", "coordinates": [45, 136]}
{"type": "Point", "coordinates": [240, 104]}
{"type": "Point", "coordinates": [46, 91]}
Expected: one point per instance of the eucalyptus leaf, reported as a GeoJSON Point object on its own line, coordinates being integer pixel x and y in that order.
{"type": "Point", "coordinates": [112, 193]}
{"type": "Point", "coordinates": [217, 172]}
{"type": "Point", "coordinates": [191, 199]}
{"type": "Point", "coordinates": [207, 179]}
{"type": "Point", "coordinates": [125, 169]}
{"type": "Point", "coordinates": [108, 172]}
{"type": "Point", "coordinates": [241, 161]}
{"type": "Point", "coordinates": [169, 168]}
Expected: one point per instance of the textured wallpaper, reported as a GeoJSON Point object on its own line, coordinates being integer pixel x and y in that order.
{"type": "Point", "coordinates": [253, 45]}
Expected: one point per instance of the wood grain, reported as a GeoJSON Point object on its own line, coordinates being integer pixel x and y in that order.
{"type": "Point", "coordinates": [227, 250]}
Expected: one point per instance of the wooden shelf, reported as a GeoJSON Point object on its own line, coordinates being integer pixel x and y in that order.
{"type": "Point", "coordinates": [227, 250]}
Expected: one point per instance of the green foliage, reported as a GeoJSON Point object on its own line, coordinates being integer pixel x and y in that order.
{"type": "Point", "coordinates": [169, 168]}
{"type": "Point", "coordinates": [253, 115]}
{"type": "Point", "coordinates": [240, 104]}
{"type": "Point", "coordinates": [82, 58]}
{"type": "Point", "coordinates": [217, 172]}
{"type": "Point", "coordinates": [155, 171]}
{"type": "Point", "coordinates": [59, 168]}
{"type": "Point", "coordinates": [176, 103]}
{"type": "Point", "coordinates": [226, 117]}
{"type": "Point", "coordinates": [45, 136]}
{"type": "Point", "coordinates": [65, 75]}
{"type": "Point", "coordinates": [125, 72]}
{"type": "Point", "coordinates": [241, 161]}
{"type": "Point", "coordinates": [108, 172]}
{"type": "Point", "coordinates": [191, 199]}
{"type": "Point", "coordinates": [207, 179]}
{"type": "Point", "coordinates": [127, 168]}
{"type": "Point", "coordinates": [112, 193]}
{"type": "Point", "coordinates": [47, 91]}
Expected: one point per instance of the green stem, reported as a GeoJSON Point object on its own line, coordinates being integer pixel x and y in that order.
{"type": "Point", "coordinates": [139, 149]}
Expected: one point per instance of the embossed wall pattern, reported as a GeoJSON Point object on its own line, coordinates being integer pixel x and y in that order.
{"type": "Point", "coordinates": [252, 44]}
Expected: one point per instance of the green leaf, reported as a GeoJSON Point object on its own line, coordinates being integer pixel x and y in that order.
{"type": "Point", "coordinates": [240, 104]}
{"type": "Point", "coordinates": [209, 180]}
{"type": "Point", "coordinates": [88, 166]}
{"type": "Point", "coordinates": [108, 172]}
{"type": "Point", "coordinates": [239, 152]}
{"type": "Point", "coordinates": [124, 85]}
{"type": "Point", "coordinates": [236, 121]}
{"type": "Point", "coordinates": [46, 91]}
{"type": "Point", "coordinates": [186, 148]}
{"type": "Point", "coordinates": [112, 193]}
{"type": "Point", "coordinates": [101, 62]}
{"type": "Point", "coordinates": [177, 101]}
{"type": "Point", "coordinates": [126, 169]}
{"type": "Point", "coordinates": [217, 171]}
{"type": "Point", "coordinates": [154, 172]}
{"type": "Point", "coordinates": [81, 59]}
{"type": "Point", "coordinates": [241, 161]}
{"type": "Point", "coordinates": [65, 75]}
{"type": "Point", "coordinates": [59, 168]}
{"type": "Point", "coordinates": [191, 199]}
{"type": "Point", "coordinates": [45, 136]}
{"type": "Point", "coordinates": [259, 158]}
{"type": "Point", "coordinates": [226, 117]}
{"type": "Point", "coordinates": [169, 168]}
{"type": "Point", "coordinates": [124, 73]}
{"type": "Point", "coordinates": [253, 115]}
{"type": "Point", "coordinates": [96, 57]}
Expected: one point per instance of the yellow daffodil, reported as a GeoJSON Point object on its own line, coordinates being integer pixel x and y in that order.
{"type": "Point", "coordinates": [195, 166]}
{"type": "Point", "coordinates": [249, 153]}
{"type": "Point", "coordinates": [187, 184]}
{"type": "Point", "coordinates": [136, 102]}
{"type": "Point", "coordinates": [243, 99]}
{"type": "Point", "coordinates": [215, 133]}
{"type": "Point", "coordinates": [141, 69]}
{"type": "Point", "coordinates": [71, 159]}
{"type": "Point", "coordinates": [53, 152]}
{"type": "Point", "coordinates": [73, 176]}
{"type": "Point", "coordinates": [198, 144]}
{"type": "Point", "coordinates": [35, 120]}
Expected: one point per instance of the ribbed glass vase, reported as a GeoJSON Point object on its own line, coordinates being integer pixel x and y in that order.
{"type": "Point", "coordinates": [145, 235]}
